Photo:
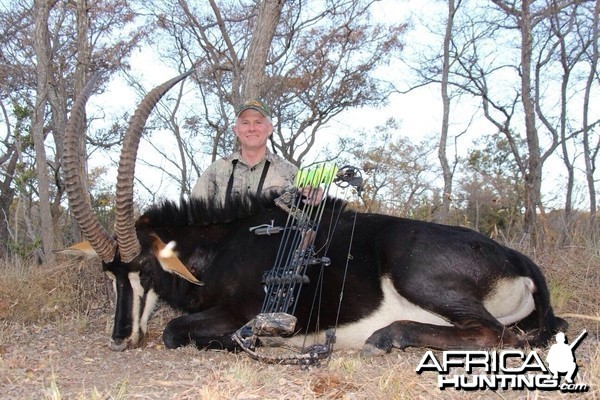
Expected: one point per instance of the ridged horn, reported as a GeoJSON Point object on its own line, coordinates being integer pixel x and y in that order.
{"type": "Point", "coordinates": [129, 246]}
{"type": "Point", "coordinates": [102, 242]}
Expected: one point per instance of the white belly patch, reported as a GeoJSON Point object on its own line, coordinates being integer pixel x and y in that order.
{"type": "Point", "coordinates": [510, 301]}
{"type": "Point", "coordinates": [393, 308]}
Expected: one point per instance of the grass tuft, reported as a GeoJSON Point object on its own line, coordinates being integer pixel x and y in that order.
{"type": "Point", "coordinates": [31, 293]}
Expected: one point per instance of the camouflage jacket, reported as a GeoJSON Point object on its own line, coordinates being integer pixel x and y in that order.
{"type": "Point", "coordinates": [215, 179]}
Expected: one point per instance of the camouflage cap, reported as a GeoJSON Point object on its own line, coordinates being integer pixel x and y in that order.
{"type": "Point", "coordinates": [254, 104]}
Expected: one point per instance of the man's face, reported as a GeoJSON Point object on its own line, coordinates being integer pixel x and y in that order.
{"type": "Point", "coordinates": [252, 129]}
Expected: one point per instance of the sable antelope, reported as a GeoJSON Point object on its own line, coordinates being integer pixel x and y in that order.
{"type": "Point", "coordinates": [407, 282]}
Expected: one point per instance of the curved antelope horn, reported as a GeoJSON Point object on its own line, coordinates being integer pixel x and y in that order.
{"type": "Point", "coordinates": [129, 246]}
{"type": "Point", "coordinates": [79, 199]}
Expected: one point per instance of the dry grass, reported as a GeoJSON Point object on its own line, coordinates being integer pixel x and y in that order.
{"type": "Point", "coordinates": [55, 323]}
{"type": "Point", "coordinates": [36, 294]}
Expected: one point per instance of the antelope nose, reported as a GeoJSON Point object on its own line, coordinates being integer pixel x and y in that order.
{"type": "Point", "coordinates": [118, 344]}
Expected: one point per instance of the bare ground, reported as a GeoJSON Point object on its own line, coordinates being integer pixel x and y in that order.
{"type": "Point", "coordinates": [65, 355]}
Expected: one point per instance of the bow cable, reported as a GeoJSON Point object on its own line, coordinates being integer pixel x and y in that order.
{"type": "Point", "coordinates": [295, 254]}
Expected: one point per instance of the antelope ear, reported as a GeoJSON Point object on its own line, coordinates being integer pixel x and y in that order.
{"type": "Point", "coordinates": [82, 248]}
{"type": "Point", "coordinates": [170, 262]}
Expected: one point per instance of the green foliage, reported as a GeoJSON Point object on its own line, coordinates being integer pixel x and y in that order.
{"type": "Point", "coordinates": [102, 196]}
{"type": "Point", "coordinates": [23, 249]}
{"type": "Point", "coordinates": [399, 176]}
{"type": "Point", "coordinates": [24, 174]}
{"type": "Point", "coordinates": [400, 179]}
{"type": "Point", "coordinates": [490, 194]}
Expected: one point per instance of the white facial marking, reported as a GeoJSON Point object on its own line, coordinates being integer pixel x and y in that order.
{"type": "Point", "coordinates": [168, 251]}
{"type": "Point", "coordinates": [151, 299]}
{"type": "Point", "coordinates": [113, 280]}
{"type": "Point", "coordinates": [138, 293]}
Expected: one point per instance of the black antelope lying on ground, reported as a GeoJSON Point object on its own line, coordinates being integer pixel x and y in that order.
{"type": "Point", "coordinates": [408, 283]}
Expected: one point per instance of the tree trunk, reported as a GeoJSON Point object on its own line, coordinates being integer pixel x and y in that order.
{"type": "Point", "coordinates": [442, 156]}
{"type": "Point", "coordinates": [587, 131]}
{"type": "Point", "coordinates": [262, 36]}
{"type": "Point", "coordinates": [80, 79]}
{"type": "Point", "coordinates": [7, 194]}
{"type": "Point", "coordinates": [533, 177]}
{"type": "Point", "coordinates": [42, 51]}
{"type": "Point", "coordinates": [81, 72]}
{"type": "Point", "coordinates": [566, 230]}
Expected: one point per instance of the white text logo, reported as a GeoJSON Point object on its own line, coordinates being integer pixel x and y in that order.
{"type": "Point", "coordinates": [507, 369]}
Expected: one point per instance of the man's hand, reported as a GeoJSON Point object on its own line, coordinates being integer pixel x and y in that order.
{"type": "Point", "coordinates": [312, 196]}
